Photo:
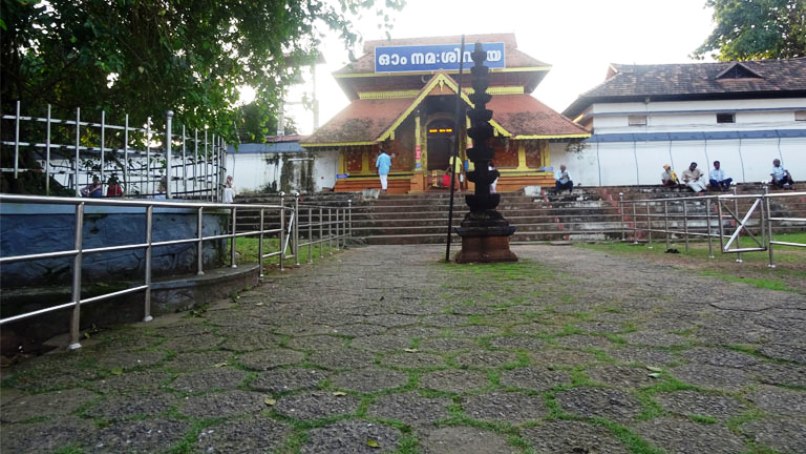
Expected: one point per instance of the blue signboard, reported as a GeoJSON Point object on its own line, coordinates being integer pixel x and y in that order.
{"type": "Point", "coordinates": [434, 57]}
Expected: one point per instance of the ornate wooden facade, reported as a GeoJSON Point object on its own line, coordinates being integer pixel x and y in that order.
{"type": "Point", "coordinates": [412, 115]}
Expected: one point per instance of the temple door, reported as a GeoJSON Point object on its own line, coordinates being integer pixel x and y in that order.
{"type": "Point", "coordinates": [440, 144]}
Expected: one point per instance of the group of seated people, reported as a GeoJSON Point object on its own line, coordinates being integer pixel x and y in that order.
{"type": "Point", "coordinates": [95, 189]}
{"type": "Point", "coordinates": [694, 179]}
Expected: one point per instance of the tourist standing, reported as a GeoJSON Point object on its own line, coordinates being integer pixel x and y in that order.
{"type": "Point", "coordinates": [228, 195]}
{"type": "Point", "coordinates": [384, 164]}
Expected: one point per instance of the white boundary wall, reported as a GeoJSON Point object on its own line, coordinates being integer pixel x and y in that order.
{"type": "Point", "coordinates": [620, 154]}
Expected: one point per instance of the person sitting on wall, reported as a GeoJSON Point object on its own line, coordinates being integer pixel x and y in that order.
{"type": "Point", "coordinates": [93, 190]}
{"type": "Point", "coordinates": [113, 187]}
{"type": "Point", "coordinates": [669, 177]}
{"type": "Point", "coordinates": [563, 180]}
{"type": "Point", "coordinates": [693, 178]}
{"type": "Point", "coordinates": [717, 179]}
{"type": "Point", "coordinates": [781, 178]}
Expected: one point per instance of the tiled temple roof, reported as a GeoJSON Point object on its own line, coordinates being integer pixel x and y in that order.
{"type": "Point", "coordinates": [723, 80]}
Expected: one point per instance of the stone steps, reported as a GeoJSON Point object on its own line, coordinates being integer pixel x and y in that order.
{"type": "Point", "coordinates": [586, 214]}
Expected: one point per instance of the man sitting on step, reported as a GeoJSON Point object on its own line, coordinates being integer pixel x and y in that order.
{"type": "Point", "coordinates": [563, 180]}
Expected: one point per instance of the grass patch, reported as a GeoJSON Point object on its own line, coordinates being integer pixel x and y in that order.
{"type": "Point", "coordinates": [789, 274]}
{"type": "Point", "coordinates": [634, 443]}
{"type": "Point", "coordinates": [247, 249]}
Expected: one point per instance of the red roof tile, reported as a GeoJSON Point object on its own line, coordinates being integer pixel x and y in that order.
{"type": "Point", "coordinates": [364, 120]}
{"type": "Point", "coordinates": [523, 115]}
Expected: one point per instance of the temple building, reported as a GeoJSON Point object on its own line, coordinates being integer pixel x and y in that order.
{"type": "Point", "coordinates": [403, 98]}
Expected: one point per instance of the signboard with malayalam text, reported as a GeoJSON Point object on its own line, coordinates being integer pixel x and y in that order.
{"type": "Point", "coordinates": [390, 59]}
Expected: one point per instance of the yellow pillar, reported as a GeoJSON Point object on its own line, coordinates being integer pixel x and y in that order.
{"type": "Point", "coordinates": [365, 160]}
{"type": "Point", "coordinates": [522, 156]}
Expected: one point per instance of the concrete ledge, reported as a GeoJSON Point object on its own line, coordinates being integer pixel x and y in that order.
{"type": "Point", "coordinates": [174, 294]}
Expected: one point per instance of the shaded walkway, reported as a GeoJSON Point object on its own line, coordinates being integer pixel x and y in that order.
{"type": "Point", "coordinates": [383, 349]}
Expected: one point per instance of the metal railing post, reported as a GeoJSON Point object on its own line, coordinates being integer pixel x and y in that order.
{"type": "Point", "coordinates": [149, 240]}
{"type": "Point", "coordinates": [297, 218]}
{"type": "Point", "coordinates": [621, 214]}
{"type": "Point", "coordinates": [338, 229]}
{"type": "Point", "coordinates": [184, 162]}
{"type": "Point", "coordinates": [103, 146]}
{"type": "Point", "coordinates": [17, 143]}
{"type": "Point", "coordinates": [47, 154]}
{"type": "Point", "coordinates": [766, 207]}
{"type": "Point", "coordinates": [260, 242]}
{"type": "Point", "coordinates": [666, 222]}
{"type": "Point", "coordinates": [708, 222]}
{"type": "Point", "coordinates": [281, 255]}
{"type": "Point", "coordinates": [721, 226]}
{"type": "Point", "coordinates": [321, 233]}
{"type": "Point", "coordinates": [310, 235]}
{"type": "Point", "coordinates": [634, 222]}
{"type": "Point", "coordinates": [330, 230]}
{"type": "Point", "coordinates": [200, 243]}
{"type": "Point", "coordinates": [75, 321]}
{"type": "Point", "coordinates": [648, 227]}
{"type": "Point", "coordinates": [233, 238]}
{"type": "Point", "coordinates": [168, 157]}
{"type": "Point", "coordinates": [77, 187]}
{"type": "Point", "coordinates": [736, 210]}
{"type": "Point", "coordinates": [149, 182]}
{"type": "Point", "coordinates": [350, 219]}
{"type": "Point", "coordinates": [126, 182]}
{"type": "Point", "coordinates": [685, 222]}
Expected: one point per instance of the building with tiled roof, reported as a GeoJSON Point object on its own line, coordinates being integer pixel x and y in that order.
{"type": "Point", "coordinates": [743, 114]}
{"type": "Point", "coordinates": [403, 97]}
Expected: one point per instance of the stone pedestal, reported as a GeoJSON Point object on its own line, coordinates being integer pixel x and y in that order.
{"type": "Point", "coordinates": [485, 238]}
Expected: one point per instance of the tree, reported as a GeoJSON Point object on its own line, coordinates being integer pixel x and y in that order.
{"type": "Point", "coordinates": [756, 30]}
{"type": "Point", "coordinates": [144, 57]}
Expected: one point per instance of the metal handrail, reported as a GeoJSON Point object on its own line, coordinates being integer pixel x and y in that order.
{"type": "Point", "coordinates": [77, 251]}
{"type": "Point", "coordinates": [726, 215]}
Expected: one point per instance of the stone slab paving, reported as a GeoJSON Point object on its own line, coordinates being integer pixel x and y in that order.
{"type": "Point", "coordinates": [385, 349]}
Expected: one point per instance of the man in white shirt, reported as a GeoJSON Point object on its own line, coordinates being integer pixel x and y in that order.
{"type": "Point", "coordinates": [563, 180]}
{"type": "Point", "coordinates": [717, 179]}
{"type": "Point", "coordinates": [692, 177]}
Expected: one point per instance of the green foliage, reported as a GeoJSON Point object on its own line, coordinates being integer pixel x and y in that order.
{"type": "Point", "coordinates": [145, 57]}
{"type": "Point", "coordinates": [756, 30]}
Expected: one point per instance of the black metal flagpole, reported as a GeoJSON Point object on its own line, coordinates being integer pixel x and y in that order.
{"type": "Point", "coordinates": [457, 143]}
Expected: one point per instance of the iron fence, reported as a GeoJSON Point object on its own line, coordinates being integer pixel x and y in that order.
{"type": "Point", "coordinates": [71, 151]}
{"type": "Point", "coordinates": [729, 220]}
{"type": "Point", "coordinates": [331, 228]}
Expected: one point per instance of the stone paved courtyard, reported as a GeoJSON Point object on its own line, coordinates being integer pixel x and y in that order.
{"type": "Point", "coordinates": [384, 349]}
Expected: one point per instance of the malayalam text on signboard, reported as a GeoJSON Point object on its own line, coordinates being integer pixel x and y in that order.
{"type": "Point", "coordinates": [433, 57]}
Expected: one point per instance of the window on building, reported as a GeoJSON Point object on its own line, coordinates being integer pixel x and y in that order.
{"type": "Point", "coordinates": [800, 115]}
{"type": "Point", "coordinates": [726, 118]}
{"type": "Point", "coordinates": [636, 120]}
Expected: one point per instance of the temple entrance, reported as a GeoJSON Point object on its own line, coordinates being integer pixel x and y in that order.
{"type": "Point", "coordinates": [440, 144]}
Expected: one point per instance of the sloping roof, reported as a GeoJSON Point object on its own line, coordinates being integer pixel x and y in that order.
{"type": "Point", "coordinates": [362, 122]}
{"type": "Point", "coordinates": [370, 121]}
{"type": "Point", "coordinates": [514, 57]}
{"type": "Point", "coordinates": [723, 80]}
{"type": "Point", "coordinates": [525, 117]}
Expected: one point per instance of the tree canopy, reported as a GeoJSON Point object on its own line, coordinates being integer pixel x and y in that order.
{"type": "Point", "coordinates": [144, 57]}
{"type": "Point", "coordinates": [756, 30]}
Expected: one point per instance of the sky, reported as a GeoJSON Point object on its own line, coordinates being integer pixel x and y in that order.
{"type": "Point", "coordinates": [578, 38]}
